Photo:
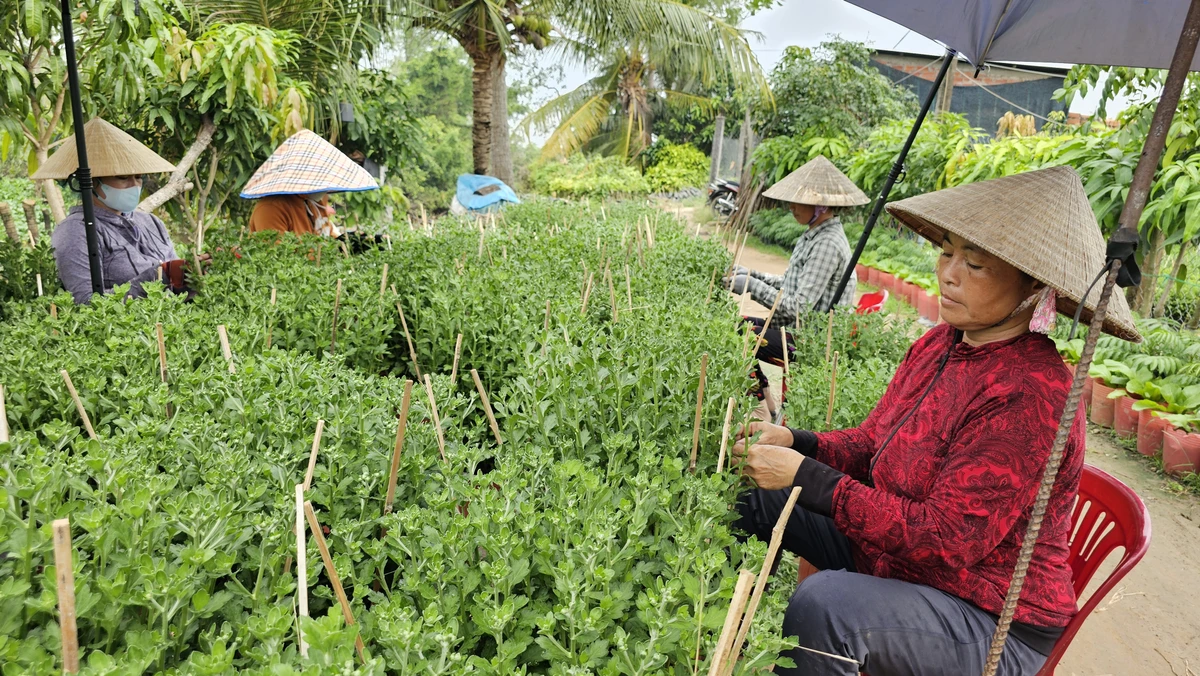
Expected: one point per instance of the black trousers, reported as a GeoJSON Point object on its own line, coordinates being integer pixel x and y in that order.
{"type": "Point", "coordinates": [878, 626]}
{"type": "Point", "coordinates": [771, 352]}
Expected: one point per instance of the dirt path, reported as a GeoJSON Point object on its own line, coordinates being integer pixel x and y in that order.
{"type": "Point", "coordinates": [1150, 624]}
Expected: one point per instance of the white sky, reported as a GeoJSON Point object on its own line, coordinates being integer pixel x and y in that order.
{"type": "Point", "coordinates": [809, 22]}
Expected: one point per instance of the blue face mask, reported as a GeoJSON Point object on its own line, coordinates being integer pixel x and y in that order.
{"type": "Point", "coordinates": [124, 200]}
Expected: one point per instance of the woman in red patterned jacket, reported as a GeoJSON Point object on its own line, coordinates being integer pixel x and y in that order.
{"type": "Point", "coordinates": [915, 517]}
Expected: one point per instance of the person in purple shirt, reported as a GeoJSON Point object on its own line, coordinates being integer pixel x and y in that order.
{"type": "Point", "coordinates": [135, 246]}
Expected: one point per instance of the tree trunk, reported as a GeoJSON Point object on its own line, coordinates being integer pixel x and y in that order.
{"type": "Point", "coordinates": [54, 198]}
{"type": "Point", "coordinates": [179, 181]}
{"type": "Point", "coordinates": [1161, 305]}
{"type": "Point", "coordinates": [1151, 265]}
{"type": "Point", "coordinates": [483, 65]}
{"type": "Point", "coordinates": [502, 164]}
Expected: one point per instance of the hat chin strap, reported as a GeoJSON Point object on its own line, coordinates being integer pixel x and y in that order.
{"type": "Point", "coordinates": [819, 210]}
{"type": "Point", "coordinates": [1037, 297]}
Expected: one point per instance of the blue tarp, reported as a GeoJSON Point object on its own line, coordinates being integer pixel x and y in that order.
{"type": "Point", "coordinates": [471, 185]}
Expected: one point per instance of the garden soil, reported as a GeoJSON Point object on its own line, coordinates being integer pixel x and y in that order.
{"type": "Point", "coordinates": [1150, 624]}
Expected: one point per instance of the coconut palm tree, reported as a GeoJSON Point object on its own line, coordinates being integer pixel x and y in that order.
{"type": "Point", "coordinates": [701, 47]}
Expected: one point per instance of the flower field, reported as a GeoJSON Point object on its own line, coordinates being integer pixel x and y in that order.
{"type": "Point", "coordinates": [580, 544]}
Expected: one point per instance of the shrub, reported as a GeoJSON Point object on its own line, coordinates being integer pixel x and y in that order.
{"type": "Point", "coordinates": [673, 167]}
{"type": "Point", "coordinates": [583, 176]}
{"type": "Point", "coordinates": [777, 226]}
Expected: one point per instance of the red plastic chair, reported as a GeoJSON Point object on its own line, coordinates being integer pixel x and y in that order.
{"type": "Point", "coordinates": [871, 302]}
{"type": "Point", "coordinates": [1107, 515]}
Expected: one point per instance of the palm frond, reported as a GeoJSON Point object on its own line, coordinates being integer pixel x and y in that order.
{"type": "Point", "coordinates": [577, 129]}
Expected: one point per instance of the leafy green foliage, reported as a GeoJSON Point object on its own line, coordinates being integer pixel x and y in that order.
{"type": "Point", "coordinates": [579, 544]}
{"type": "Point", "coordinates": [777, 226]}
{"type": "Point", "coordinates": [584, 176]}
{"type": "Point", "coordinates": [672, 167]}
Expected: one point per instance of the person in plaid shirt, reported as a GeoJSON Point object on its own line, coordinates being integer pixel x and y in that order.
{"type": "Point", "coordinates": [814, 192]}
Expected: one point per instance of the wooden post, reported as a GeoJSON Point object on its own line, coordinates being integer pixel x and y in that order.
{"type": "Point", "coordinates": [401, 431]}
{"type": "Point", "coordinates": [337, 299]}
{"type": "Point", "coordinates": [829, 337]}
{"type": "Point", "coordinates": [271, 326]}
{"type": "Point", "coordinates": [725, 434]}
{"type": "Point", "coordinates": [732, 618]}
{"type": "Point", "coordinates": [383, 280]}
{"type": "Point", "coordinates": [64, 574]}
{"type": "Point", "coordinates": [832, 392]}
{"type": "Point", "coordinates": [224, 336]}
{"type": "Point", "coordinates": [87, 422]}
{"type": "Point", "coordinates": [31, 220]}
{"type": "Point", "coordinates": [412, 353]}
{"type": "Point", "coordinates": [334, 580]}
{"type": "Point", "coordinates": [301, 569]}
{"type": "Point", "coordinates": [457, 352]}
{"type": "Point", "coordinates": [628, 288]}
{"type": "Point", "coordinates": [699, 411]}
{"type": "Point", "coordinates": [763, 575]}
{"type": "Point", "coordinates": [487, 406]}
{"type": "Point", "coordinates": [437, 421]}
{"type": "Point", "coordinates": [312, 456]}
{"type": "Point", "coordinates": [9, 226]}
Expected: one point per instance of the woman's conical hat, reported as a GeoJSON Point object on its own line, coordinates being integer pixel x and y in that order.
{"type": "Point", "coordinates": [110, 151]}
{"type": "Point", "coordinates": [1040, 222]}
{"type": "Point", "coordinates": [819, 183]}
{"type": "Point", "coordinates": [307, 163]}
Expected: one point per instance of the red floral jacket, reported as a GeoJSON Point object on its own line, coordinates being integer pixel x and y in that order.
{"type": "Point", "coordinates": [951, 494]}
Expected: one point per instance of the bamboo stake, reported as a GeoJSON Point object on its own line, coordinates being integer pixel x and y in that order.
{"type": "Point", "coordinates": [301, 569]}
{"type": "Point", "coordinates": [401, 431]}
{"type": "Point", "coordinates": [39, 284]}
{"type": "Point", "coordinates": [345, 251]}
{"type": "Point", "coordinates": [612, 295]}
{"type": "Point", "coordinates": [320, 245]}
{"type": "Point", "coordinates": [87, 422]}
{"type": "Point", "coordinates": [829, 337]}
{"type": "Point", "coordinates": [480, 253]}
{"type": "Point", "coordinates": [587, 293]}
{"type": "Point", "coordinates": [766, 326]}
{"type": "Point", "coordinates": [3, 418]}
{"type": "Point", "coordinates": [412, 353]}
{"type": "Point", "coordinates": [783, 338]}
{"type": "Point", "coordinates": [546, 329]}
{"type": "Point", "coordinates": [699, 411]}
{"type": "Point", "coordinates": [271, 326]}
{"type": "Point", "coordinates": [334, 580]}
{"type": "Point", "coordinates": [628, 288]}
{"type": "Point", "coordinates": [312, 456]}
{"type": "Point", "coordinates": [54, 313]}
{"type": "Point", "coordinates": [732, 617]}
{"type": "Point", "coordinates": [712, 284]}
{"type": "Point", "coordinates": [832, 392]}
{"type": "Point", "coordinates": [162, 353]}
{"type": "Point", "coordinates": [224, 336]}
{"type": "Point", "coordinates": [725, 434]}
{"type": "Point", "coordinates": [457, 352]}
{"type": "Point", "coordinates": [64, 573]}
{"type": "Point", "coordinates": [763, 575]}
{"type": "Point", "coordinates": [437, 422]}
{"type": "Point", "coordinates": [487, 406]}
{"type": "Point", "coordinates": [383, 280]}
{"type": "Point", "coordinates": [31, 220]}
{"type": "Point", "coordinates": [337, 299]}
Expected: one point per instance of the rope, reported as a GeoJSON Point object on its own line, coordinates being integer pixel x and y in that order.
{"type": "Point", "coordinates": [1065, 423]}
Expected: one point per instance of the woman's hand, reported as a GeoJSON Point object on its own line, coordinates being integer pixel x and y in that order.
{"type": "Point", "coordinates": [771, 467]}
{"type": "Point", "coordinates": [772, 435]}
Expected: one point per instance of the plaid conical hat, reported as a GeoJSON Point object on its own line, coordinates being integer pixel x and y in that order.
{"type": "Point", "coordinates": [307, 163]}
{"type": "Point", "coordinates": [1039, 222]}
{"type": "Point", "coordinates": [819, 183]}
{"type": "Point", "coordinates": [110, 151]}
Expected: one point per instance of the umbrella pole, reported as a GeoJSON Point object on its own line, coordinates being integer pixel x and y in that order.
{"type": "Point", "coordinates": [84, 173]}
{"type": "Point", "coordinates": [1120, 248]}
{"type": "Point", "coordinates": [892, 177]}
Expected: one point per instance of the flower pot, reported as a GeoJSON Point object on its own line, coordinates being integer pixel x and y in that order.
{"type": "Point", "coordinates": [1181, 452]}
{"type": "Point", "coordinates": [930, 306]}
{"type": "Point", "coordinates": [907, 289]}
{"type": "Point", "coordinates": [873, 277]}
{"type": "Point", "coordinates": [887, 281]}
{"type": "Point", "coordinates": [1103, 408]}
{"type": "Point", "coordinates": [1150, 432]}
{"type": "Point", "coordinates": [860, 272]}
{"type": "Point", "coordinates": [1125, 419]}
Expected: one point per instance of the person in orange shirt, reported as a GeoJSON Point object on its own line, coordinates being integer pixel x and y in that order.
{"type": "Point", "coordinates": [298, 214]}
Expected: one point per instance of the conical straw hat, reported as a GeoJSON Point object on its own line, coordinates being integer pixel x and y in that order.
{"type": "Point", "coordinates": [307, 163]}
{"type": "Point", "coordinates": [819, 183]}
{"type": "Point", "coordinates": [1040, 222]}
{"type": "Point", "coordinates": [110, 151]}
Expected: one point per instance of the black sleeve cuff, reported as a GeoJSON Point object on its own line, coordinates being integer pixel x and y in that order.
{"type": "Point", "coordinates": [804, 442]}
{"type": "Point", "coordinates": [817, 482]}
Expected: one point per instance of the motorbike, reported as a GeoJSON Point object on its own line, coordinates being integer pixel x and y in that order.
{"type": "Point", "coordinates": [722, 197]}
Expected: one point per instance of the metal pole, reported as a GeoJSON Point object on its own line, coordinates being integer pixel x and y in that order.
{"type": "Point", "coordinates": [718, 142]}
{"type": "Point", "coordinates": [84, 173]}
{"type": "Point", "coordinates": [892, 177]}
{"type": "Point", "coordinates": [1120, 249]}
